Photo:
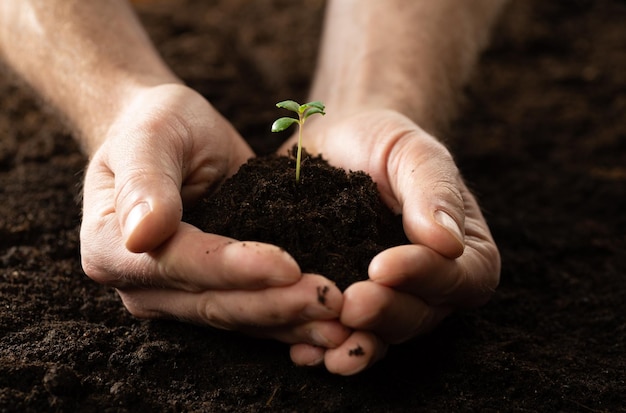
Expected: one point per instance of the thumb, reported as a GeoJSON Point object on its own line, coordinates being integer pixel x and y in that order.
{"type": "Point", "coordinates": [429, 188]}
{"type": "Point", "coordinates": [148, 217]}
{"type": "Point", "coordinates": [147, 193]}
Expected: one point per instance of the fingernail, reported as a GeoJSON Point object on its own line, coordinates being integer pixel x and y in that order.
{"type": "Point", "coordinates": [319, 339]}
{"type": "Point", "coordinates": [316, 361]}
{"type": "Point", "coordinates": [446, 221]}
{"type": "Point", "coordinates": [135, 216]}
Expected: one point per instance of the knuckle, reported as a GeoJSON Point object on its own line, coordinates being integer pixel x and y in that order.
{"type": "Point", "coordinates": [103, 267]}
{"type": "Point", "coordinates": [211, 313]}
{"type": "Point", "coordinates": [92, 267]}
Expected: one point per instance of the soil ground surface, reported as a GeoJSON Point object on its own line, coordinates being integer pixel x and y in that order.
{"type": "Point", "coordinates": [541, 140]}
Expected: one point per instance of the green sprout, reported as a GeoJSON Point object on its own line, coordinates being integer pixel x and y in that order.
{"type": "Point", "coordinates": [303, 111]}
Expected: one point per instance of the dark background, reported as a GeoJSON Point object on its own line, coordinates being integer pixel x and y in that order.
{"type": "Point", "coordinates": [541, 140]}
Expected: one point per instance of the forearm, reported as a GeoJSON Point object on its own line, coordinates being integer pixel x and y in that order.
{"type": "Point", "coordinates": [86, 57]}
{"type": "Point", "coordinates": [412, 56]}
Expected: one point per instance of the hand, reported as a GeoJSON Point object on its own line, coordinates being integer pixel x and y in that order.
{"type": "Point", "coordinates": [452, 262]}
{"type": "Point", "coordinates": [167, 148]}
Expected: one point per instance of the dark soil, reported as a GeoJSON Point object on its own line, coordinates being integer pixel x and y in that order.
{"type": "Point", "coordinates": [332, 221]}
{"type": "Point", "coordinates": [541, 140]}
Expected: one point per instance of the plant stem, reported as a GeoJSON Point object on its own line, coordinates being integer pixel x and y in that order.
{"type": "Point", "coordinates": [299, 153]}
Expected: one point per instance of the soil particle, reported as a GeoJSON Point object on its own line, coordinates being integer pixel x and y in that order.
{"type": "Point", "coordinates": [356, 352]}
{"type": "Point", "coordinates": [321, 294]}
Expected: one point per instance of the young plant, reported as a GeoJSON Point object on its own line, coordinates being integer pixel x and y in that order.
{"type": "Point", "coordinates": [303, 111]}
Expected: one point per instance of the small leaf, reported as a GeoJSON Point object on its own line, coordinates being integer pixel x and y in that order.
{"type": "Point", "coordinates": [312, 111]}
{"type": "Point", "coordinates": [289, 105]}
{"type": "Point", "coordinates": [281, 124]}
{"type": "Point", "coordinates": [316, 104]}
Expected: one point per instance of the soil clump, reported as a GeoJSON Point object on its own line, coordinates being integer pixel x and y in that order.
{"type": "Point", "coordinates": [332, 221]}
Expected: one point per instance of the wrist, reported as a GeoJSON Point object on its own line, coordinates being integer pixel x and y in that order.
{"type": "Point", "coordinates": [379, 61]}
{"type": "Point", "coordinates": [86, 58]}
{"type": "Point", "coordinates": [401, 56]}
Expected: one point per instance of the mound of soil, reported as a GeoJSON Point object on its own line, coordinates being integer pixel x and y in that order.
{"type": "Point", "coordinates": [332, 222]}
{"type": "Point", "coordinates": [541, 141]}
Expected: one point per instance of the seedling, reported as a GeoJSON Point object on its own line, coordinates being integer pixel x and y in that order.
{"type": "Point", "coordinates": [303, 111]}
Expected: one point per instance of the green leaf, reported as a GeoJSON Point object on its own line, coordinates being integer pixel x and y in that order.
{"type": "Point", "coordinates": [312, 111]}
{"type": "Point", "coordinates": [281, 124]}
{"type": "Point", "coordinates": [316, 104]}
{"type": "Point", "coordinates": [289, 105]}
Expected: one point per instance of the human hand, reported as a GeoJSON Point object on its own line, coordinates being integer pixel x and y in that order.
{"type": "Point", "coordinates": [166, 148]}
{"type": "Point", "coordinates": [452, 262]}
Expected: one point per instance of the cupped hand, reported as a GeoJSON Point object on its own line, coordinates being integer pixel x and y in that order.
{"type": "Point", "coordinates": [452, 261]}
{"type": "Point", "coordinates": [165, 149]}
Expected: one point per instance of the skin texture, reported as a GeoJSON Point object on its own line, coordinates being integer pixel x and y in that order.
{"type": "Point", "coordinates": [389, 73]}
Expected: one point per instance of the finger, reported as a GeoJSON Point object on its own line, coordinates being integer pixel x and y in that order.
{"type": "Point", "coordinates": [190, 260]}
{"type": "Point", "coordinates": [307, 355]}
{"type": "Point", "coordinates": [145, 201]}
{"type": "Point", "coordinates": [320, 334]}
{"type": "Point", "coordinates": [418, 270]}
{"type": "Point", "coordinates": [360, 351]}
{"type": "Point", "coordinates": [427, 184]}
{"type": "Point", "coordinates": [468, 281]}
{"type": "Point", "coordinates": [147, 186]}
{"type": "Point", "coordinates": [393, 316]}
{"type": "Point", "coordinates": [242, 310]}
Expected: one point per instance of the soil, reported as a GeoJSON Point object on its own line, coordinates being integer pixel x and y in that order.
{"type": "Point", "coordinates": [332, 221]}
{"type": "Point", "coordinates": [541, 140]}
